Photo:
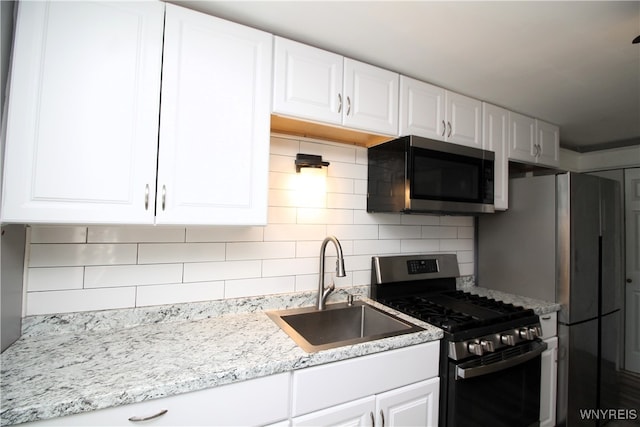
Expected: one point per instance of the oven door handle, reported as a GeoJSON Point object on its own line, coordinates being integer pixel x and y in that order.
{"type": "Point", "coordinates": [465, 373]}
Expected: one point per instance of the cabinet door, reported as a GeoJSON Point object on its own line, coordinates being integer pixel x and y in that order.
{"type": "Point", "coordinates": [257, 401]}
{"type": "Point", "coordinates": [548, 143]}
{"type": "Point", "coordinates": [358, 413]}
{"type": "Point", "coordinates": [214, 126]}
{"type": "Point", "coordinates": [464, 120]}
{"type": "Point", "coordinates": [82, 125]}
{"type": "Point", "coordinates": [496, 139]}
{"type": "Point", "coordinates": [522, 134]}
{"type": "Point", "coordinates": [413, 405]}
{"type": "Point", "coordinates": [371, 98]}
{"type": "Point", "coordinates": [548, 380]}
{"type": "Point", "coordinates": [307, 82]}
{"type": "Point", "coordinates": [421, 109]}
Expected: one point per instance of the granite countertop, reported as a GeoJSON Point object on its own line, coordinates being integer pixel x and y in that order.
{"type": "Point", "coordinates": [72, 363]}
{"type": "Point", "coordinates": [538, 306]}
{"type": "Point", "coordinates": [77, 362]}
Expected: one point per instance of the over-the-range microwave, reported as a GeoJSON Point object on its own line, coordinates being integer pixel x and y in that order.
{"type": "Point", "coordinates": [412, 174]}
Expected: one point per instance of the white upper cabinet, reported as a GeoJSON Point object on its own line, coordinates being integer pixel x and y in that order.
{"type": "Point", "coordinates": [533, 141]}
{"type": "Point", "coordinates": [83, 144]}
{"type": "Point", "coordinates": [307, 82]}
{"type": "Point", "coordinates": [371, 98]}
{"type": "Point", "coordinates": [214, 123]}
{"type": "Point", "coordinates": [82, 130]}
{"type": "Point", "coordinates": [310, 83]}
{"type": "Point", "coordinates": [464, 120]}
{"type": "Point", "coordinates": [495, 129]}
{"type": "Point", "coordinates": [422, 109]}
{"type": "Point", "coordinates": [548, 143]}
{"type": "Point", "coordinates": [432, 112]}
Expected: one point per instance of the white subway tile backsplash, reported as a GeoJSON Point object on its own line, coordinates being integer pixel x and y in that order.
{"type": "Point", "coordinates": [260, 250]}
{"type": "Point", "coordinates": [132, 275]}
{"type": "Point", "coordinates": [79, 300]}
{"type": "Point", "coordinates": [289, 232]}
{"type": "Point", "coordinates": [353, 232]}
{"type": "Point", "coordinates": [214, 271]}
{"type": "Point", "coordinates": [417, 246]}
{"type": "Point", "coordinates": [260, 286]}
{"type": "Point", "coordinates": [400, 232]}
{"type": "Point", "coordinates": [376, 247]}
{"type": "Point", "coordinates": [179, 293]}
{"type": "Point", "coordinates": [67, 255]}
{"type": "Point", "coordinates": [58, 234]}
{"type": "Point", "coordinates": [79, 268]}
{"type": "Point", "coordinates": [157, 253]}
{"type": "Point", "coordinates": [289, 267]}
{"type": "Point", "coordinates": [439, 232]}
{"type": "Point", "coordinates": [456, 245]}
{"type": "Point", "coordinates": [54, 278]}
{"type": "Point", "coordinates": [224, 234]}
{"type": "Point", "coordinates": [346, 201]}
{"type": "Point", "coordinates": [115, 234]}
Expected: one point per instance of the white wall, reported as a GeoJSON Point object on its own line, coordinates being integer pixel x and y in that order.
{"type": "Point", "coordinates": [91, 268]}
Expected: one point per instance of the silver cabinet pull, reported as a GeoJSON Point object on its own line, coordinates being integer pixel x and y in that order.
{"type": "Point", "coordinates": [449, 134]}
{"type": "Point", "coordinates": [164, 196]}
{"type": "Point", "coordinates": [382, 417]}
{"type": "Point", "coordinates": [348, 105]}
{"type": "Point", "coordinates": [339, 103]}
{"type": "Point", "coordinates": [146, 197]}
{"type": "Point", "coordinates": [373, 420]}
{"type": "Point", "coordinates": [136, 419]}
{"type": "Point", "coordinates": [444, 127]}
{"type": "Point", "coordinates": [546, 318]}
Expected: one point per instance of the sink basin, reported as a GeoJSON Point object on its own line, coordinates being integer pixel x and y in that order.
{"type": "Point", "coordinates": [339, 325]}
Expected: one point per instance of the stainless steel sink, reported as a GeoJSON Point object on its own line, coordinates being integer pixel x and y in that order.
{"type": "Point", "coordinates": [339, 325]}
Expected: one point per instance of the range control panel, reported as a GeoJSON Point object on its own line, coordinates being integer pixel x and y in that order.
{"type": "Point", "coordinates": [421, 266]}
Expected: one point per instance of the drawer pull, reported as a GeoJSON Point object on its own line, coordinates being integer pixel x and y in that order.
{"type": "Point", "coordinates": [150, 417]}
{"type": "Point", "coordinates": [546, 318]}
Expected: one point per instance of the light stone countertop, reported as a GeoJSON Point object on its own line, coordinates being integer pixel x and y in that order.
{"type": "Point", "coordinates": [72, 363]}
{"type": "Point", "coordinates": [67, 364]}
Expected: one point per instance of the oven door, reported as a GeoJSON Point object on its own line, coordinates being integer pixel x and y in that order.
{"type": "Point", "coordinates": [500, 389]}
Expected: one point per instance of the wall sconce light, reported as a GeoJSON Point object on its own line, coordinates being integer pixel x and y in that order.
{"type": "Point", "coordinates": [309, 161]}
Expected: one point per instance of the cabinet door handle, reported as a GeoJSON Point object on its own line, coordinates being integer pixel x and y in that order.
{"type": "Point", "coordinates": [137, 419]}
{"type": "Point", "coordinates": [373, 420]}
{"type": "Point", "coordinates": [382, 417]}
{"type": "Point", "coordinates": [546, 318]}
{"type": "Point", "coordinates": [339, 103]}
{"type": "Point", "coordinates": [444, 128]}
{"type": "Point", "coordinates": [449, 134]}
{"type": "Point", "coordinates": [164, 196]}
{"type": "Point", "coordinates": [348, 105]}
{"type": "Point", "coordinates": [146, 197]}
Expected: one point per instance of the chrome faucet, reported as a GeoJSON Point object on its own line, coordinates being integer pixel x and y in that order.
{"type": "Point", "coordinates": [322, 292]}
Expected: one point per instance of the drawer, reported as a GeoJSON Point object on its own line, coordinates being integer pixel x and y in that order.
{"type": "Point", "coordinates": [335, 383]}
{"type": "Point", "coordinates": [549, 323]}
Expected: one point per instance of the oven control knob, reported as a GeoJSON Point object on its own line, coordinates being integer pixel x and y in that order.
{"type": "Point", "coordinates": [527, 333]}
{"type": "Point", "coordinates": [487, 346]}
{"type": "Point", "coordinates": [475, 348]}
{"type": "Point", "coordinates": [508, 339]}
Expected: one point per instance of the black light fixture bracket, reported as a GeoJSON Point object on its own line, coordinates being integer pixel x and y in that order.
{"type": "Point", "coordinates": [309, 161]}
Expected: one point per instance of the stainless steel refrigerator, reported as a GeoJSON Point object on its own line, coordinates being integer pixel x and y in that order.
{"type": "Point", "coordinates": [560, 240]}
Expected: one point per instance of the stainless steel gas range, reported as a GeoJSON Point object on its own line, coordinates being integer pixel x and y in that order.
{"type": "Point", "coordinates": [490, 354]}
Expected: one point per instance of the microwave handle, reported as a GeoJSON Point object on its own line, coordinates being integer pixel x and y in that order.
{"type": "Point", "coordinates": [465, 373]}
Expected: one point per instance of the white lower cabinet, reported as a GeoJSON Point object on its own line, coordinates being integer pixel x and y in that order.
{"type": "Point", "coordinates": [400, 385]}
{"type": "Point", "coordinates": [549, 370]}
{"type": "Point", "coordinates": [267, 398]}
{"type": "Point", "coordinates": [415, 404]}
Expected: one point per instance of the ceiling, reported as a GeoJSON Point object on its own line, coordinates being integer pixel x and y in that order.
{"type": "Point", "coordinates": [570, 63]}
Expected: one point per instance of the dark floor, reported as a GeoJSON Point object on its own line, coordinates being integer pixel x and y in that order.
{"type": "Point", "coordinates": [629, 398]}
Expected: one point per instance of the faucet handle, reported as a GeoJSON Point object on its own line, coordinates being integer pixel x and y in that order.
{"type": "Point", "coordinates": [349, 300]}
